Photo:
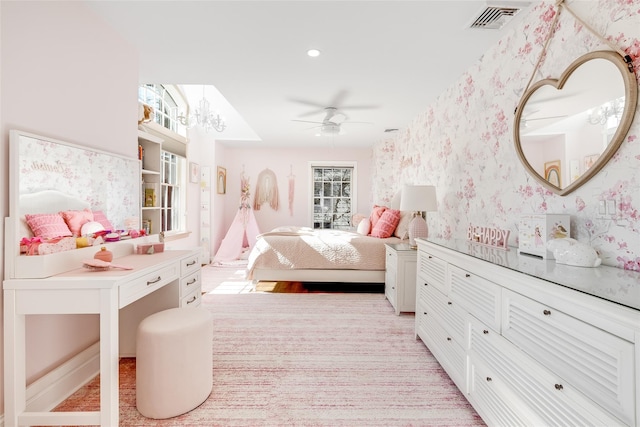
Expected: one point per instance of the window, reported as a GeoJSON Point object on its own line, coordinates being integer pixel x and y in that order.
{"type": "Point", "coordinates": [173, 192]}
{"type": "Point", "coordinates": [333, 194]}
{"type": "Point", "coordinates": [173, 165]}
{"type": "Point", "coordinates": [163, 102]}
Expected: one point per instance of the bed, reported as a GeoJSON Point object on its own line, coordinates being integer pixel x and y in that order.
{"type": "Point", "coordinates": [303, 254]}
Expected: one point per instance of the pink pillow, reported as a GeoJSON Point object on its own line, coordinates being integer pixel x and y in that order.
{"type": "Point", "coordinates": [376, 213]}
{"type": "Point", "coordinates": [76, 219]}
{"type": "Point", "coordinates": [386, 224]}
{"type": "Point", "coordinates": [48, 226]}
{"type": "Point", "coordinates": [99, 216]}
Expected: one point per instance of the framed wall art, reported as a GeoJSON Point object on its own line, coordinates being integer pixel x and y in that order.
{"type": "Point", "coordinates": [552, 173]}
{"type": "Point", "coordinates": [221, 180]}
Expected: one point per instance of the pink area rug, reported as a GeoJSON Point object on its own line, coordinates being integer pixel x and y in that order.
{"type": "Point", "coordinates": [310, 360]}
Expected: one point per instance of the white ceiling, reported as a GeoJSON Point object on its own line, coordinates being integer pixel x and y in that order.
{"type": "Point", "coordinates": [396, 56]}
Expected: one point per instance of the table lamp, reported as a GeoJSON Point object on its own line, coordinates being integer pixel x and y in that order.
{"type": "Point", "coordinates": [418, 199]}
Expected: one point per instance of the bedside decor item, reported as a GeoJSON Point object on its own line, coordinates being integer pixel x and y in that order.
{"type": "Point", "coordinates": [149, 248]}
{"type": "Point", "coordinates": [535, 230]}
{"type": "Point", "coordinates": [104, 254]}
{"type": "Point", "coordinates": [571, 252]}
{"type": "Point", "coordinates": [418, 199]}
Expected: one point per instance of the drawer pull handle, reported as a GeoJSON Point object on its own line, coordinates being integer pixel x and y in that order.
{"type": "Point", "coordinates": [448, 338]}
{"type": "Point", "coordinates": [449, 303]}
{"type": "Point", "coordinates": [192, 300]}
{"type": "Point", "coordinates": [484, 331]}
{"type": "Point", "coordinates": [547, 312]}
{"type": "Point", "coordinates": [192, 281]}
{"type": "Point", "coordinates": [558, 387]}
{"type": "Point", "coordinates": [189, 264]}
{"type": "Point", "coordinates": [426, 284]}
{"type": "Point", "coordinates": [430, 257]}
{"type": "Point", "coordinates": [424, 312]}
{"type": "Point", "coordinates": [151, 282]}
{"type": "Point", "coordinates": [467, 275]}
{"type": "Point", "coordinates": [489, 379]}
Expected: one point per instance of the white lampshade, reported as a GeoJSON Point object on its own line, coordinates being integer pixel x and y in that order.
{"type": "Point", "coordinates": [418, 198]}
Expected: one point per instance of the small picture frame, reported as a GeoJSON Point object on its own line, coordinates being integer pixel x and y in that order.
{"type": "Point", "coordinates": [194, 172]}
{"type": "Point", "coordinates": [590, 160]}
{"type": "Point", "coordinates": [552, 173]}
{"type": "Point", "coordinates": [221, 180]}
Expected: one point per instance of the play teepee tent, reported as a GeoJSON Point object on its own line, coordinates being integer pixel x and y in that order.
{"type": "Point", "coordinates": [243, 231]}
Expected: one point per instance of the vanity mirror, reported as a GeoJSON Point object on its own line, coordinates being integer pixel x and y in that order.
{"type": "Point", "coordinates": [567, 129]}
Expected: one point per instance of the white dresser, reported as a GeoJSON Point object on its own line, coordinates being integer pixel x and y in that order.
{"type": "Point", "coordinates": [529, 341]}
{"type": "Point", "coordinates": [122, 298]}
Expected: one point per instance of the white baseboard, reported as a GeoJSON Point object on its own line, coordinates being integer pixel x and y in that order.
{"type": "Point", "coordinates": [53, 388]}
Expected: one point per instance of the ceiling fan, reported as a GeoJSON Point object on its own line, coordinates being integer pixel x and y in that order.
{"type": "Point", "coordinates": [336, 104]}
{"type": "Point", "coordinates": [332, 122]}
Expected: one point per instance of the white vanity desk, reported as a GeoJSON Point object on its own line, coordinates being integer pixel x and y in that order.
{"type": "Point", "coordinates": [120, 297]}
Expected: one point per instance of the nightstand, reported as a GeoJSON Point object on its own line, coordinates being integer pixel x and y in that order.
{"type": "Point", "coordinates": [400, 277]}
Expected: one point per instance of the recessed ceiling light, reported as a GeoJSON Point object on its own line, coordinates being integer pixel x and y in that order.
{"type": "Point", "coordinates": [313, 53]}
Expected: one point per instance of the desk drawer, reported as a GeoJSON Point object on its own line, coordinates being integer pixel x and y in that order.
{"type": "Point", "coordinates": [189, 265]}
{"type": "Point", "coordinates": [480, 297]}
{"type": "Point", "coordinates": [194, 299]}
{"type": "Point", "coordinates": [190, 283]}
{"type": "Point", "coordinates": [144, 285]}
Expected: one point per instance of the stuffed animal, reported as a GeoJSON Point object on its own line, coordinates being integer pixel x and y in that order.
{"type": "Point", "coordinates": [145, 113]}
{"type": "Point", "coordinates": [571, 252]}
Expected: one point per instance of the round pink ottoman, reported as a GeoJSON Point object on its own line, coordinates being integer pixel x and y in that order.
{"type": "Point", "coordinates": [174, 361]}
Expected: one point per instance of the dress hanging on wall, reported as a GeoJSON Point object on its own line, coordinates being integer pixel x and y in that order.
{"type": "Point", "coordinates": [243, 232]}
{"type": "Point", "coordinates": [266, 190]}
{"type": "Point", "coordinates": [292, 184]}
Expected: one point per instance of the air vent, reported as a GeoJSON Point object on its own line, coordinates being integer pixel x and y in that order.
{"type": "Point", "coordinates": [495, 17]}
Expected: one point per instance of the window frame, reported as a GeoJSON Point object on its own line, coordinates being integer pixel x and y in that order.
{"type": "Point", "coordinates": [332, 164]}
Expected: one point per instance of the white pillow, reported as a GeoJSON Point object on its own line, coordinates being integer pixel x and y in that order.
{"type": "Point", "coordinates": [364, 227]}
{"type": "Point", "coordinates": [91, 227]}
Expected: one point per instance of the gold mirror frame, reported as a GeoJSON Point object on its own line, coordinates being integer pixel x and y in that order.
{"type": "Point", "coordinates": [631, 99]}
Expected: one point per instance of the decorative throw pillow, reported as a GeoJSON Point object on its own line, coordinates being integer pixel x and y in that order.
{"type": "Point", "coordinates": [376, 213]}
{"type": "Point", "coordinates": [386, 224]}
{"type": "Point", "coordinates": [402, 230]}
{"type": "Point", "coordinates": [364, 227]}
{"type": "Point", "coordinates": [91, 227]}
{"type": "Point", "coordinates": [48, 226]}
{"type": "Point", "coordinates": [99, 216]}
{"type": "Point", "coordinates": [76, 219]}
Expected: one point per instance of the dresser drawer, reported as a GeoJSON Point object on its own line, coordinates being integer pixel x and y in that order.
{"type": "Point", "coordinates": [552, 399]}
{"type": "Point", "coordinates": [597, 363]}
{"type": "Point", "coordinates": [432, 270]}
{"type": "Point", "coordinates": [191, 283]}
{"type": "Point", "coordinates": [480, 297]}
{"type": "Point", "coordinates": [189, 265]}
{"type": "Point", "coordinates": [446, 349]}
{"type": "Point", "coordinates": [146, 284]}
{"type": "Point", "coordinates": [450, 315]}
{"type": "Point", "coordinates": [493, 400]}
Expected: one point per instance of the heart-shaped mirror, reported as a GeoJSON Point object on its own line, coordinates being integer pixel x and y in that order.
{"type": "Point", "coordinates": [566, 130]}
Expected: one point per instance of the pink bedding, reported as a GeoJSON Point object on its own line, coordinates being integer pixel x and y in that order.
{"type": "Point", "coordinates": [301, 248]}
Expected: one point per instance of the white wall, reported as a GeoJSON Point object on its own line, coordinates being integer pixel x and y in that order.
{"type": "Point", "coordinates": [66, 75]}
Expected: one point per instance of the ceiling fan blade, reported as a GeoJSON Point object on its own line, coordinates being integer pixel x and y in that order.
{"type": "Point", "coordinates": [359, 107]}
{"type": "Point", "coordinates": [306, 121]}
{"type": "Point", "coordinates": [339, 99]}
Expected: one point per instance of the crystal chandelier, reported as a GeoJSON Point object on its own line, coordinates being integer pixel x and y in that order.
{"type": "Point", "coordinates": [602, 114]}
{"type": "Point", "coordinates": [204, 117]}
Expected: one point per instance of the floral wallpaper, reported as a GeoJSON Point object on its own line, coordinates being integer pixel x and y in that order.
{"type": "Point", "coordinates": [105, 181]}
{"type": "Point", "coordinates": [463, 142]}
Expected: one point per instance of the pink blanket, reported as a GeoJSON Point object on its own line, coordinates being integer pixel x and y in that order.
{"type": "Point", "coordinates": [302, 248]}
